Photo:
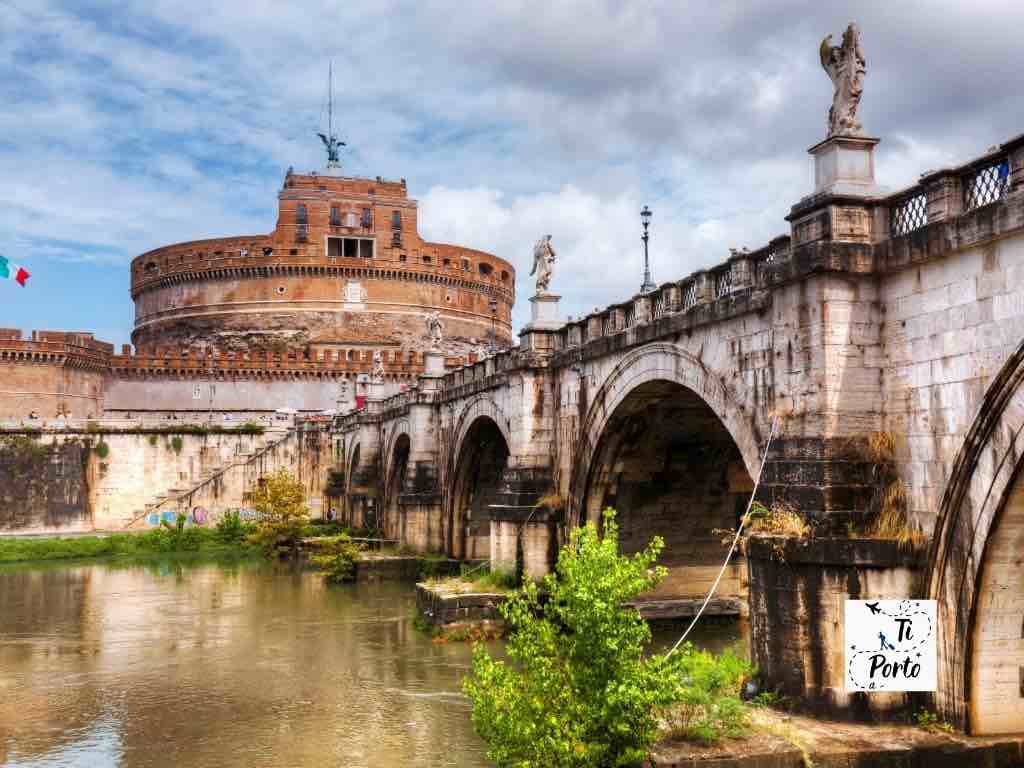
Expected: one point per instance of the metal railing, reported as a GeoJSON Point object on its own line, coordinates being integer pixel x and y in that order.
{"type": "Point", "coordinates": [909, 215]}
{"type": "Point", "coordinates": [723, 283]}
{"type": "Point", "coordinates": [987, 184]}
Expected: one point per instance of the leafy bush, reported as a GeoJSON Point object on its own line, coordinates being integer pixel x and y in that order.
{"type": "Point", "coordinates": [930, 721]}
{"type": "Point", "coordinates": [231, 530]}
{"type": "Point", "coordinates": [281, 500]}
{"type": "Point", "coordinates": [336, 557]}
{"type": "Point", "coordinates": [101, 449]}
{"type": "Point", "coordinates": [579, 690]}
{"type": "Point", "coordinates": [177, 443]}
{"type": "Point", "coordinates": [709, 705]}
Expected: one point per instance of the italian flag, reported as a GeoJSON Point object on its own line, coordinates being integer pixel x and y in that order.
{"type": "Point", "coordinates": [13, 271]}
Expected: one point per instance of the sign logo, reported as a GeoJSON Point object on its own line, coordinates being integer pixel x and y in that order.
{"type": "Point", "coordinates": [890, 645]}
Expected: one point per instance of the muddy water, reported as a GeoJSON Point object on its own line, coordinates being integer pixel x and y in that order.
{"type": "Point", "coordinates": [207, 664]}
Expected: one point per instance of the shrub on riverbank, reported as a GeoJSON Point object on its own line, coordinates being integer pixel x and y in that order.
{"type": "Point", "coordinates": [580, 690]}
{"type": "Point", "coordinates": [336, 557]}
{"type": "Point", "coordinates": [281, 501]}
{"type": "Point", "coordinates": [709, 705]}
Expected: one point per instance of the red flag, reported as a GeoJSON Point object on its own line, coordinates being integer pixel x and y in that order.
{"type": "Point", "coordinates": [22, 276]}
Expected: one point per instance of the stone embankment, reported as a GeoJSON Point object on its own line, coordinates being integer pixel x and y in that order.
{"type": "Point", "coordinates": [789, 741]}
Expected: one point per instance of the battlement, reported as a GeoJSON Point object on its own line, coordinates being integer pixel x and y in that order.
{"type": "Point", "coordinates": [344, 185]}
{"type": "Point", "coordinates": [154, 361]}
{"type": "Point", "coordinates": [74, 348]}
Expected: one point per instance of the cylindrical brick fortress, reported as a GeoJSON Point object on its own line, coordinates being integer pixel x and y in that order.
{"type": "Point", "coordinates": [345, 269]}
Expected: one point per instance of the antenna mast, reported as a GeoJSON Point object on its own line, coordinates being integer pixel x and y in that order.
{"type": "Point", "coordinates": [331, 143]}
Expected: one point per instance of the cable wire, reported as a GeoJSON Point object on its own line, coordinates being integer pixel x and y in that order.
{"type": "Point", "coordinates": [735, 541]}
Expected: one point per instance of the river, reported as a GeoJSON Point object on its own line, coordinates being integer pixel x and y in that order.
{"type": "Point", "coordinates": [248, 663]}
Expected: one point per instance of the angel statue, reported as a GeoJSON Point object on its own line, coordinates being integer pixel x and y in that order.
{"type": "Point", "coordinates": [377, 376]}
{"type": "Point", "coordinates": [543, 258]}
{"type": "Point", "coordinates": [845, 66]}
{"type": "Point", "coordinates": [333, 147]}
{"type": "Point", "coordinates": [435, 330]}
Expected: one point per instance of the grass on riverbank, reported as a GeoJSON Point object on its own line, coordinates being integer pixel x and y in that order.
{"type": "Point", "coordinates": [497, 581]}
{"type": "Point", "coordinates": [161, 541]}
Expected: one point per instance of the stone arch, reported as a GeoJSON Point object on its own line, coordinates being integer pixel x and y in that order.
{"type": "Point", "coordinates": [348, 510]}
{"type": "Point", "coordinates": [481, 405]}
{"type": "Point", "coordinates": [980, 486]}
{"type": "Point", "coordinates": [469, 470]}
{"type": "Point", "coordinates": [661, 362]}
{"type": "Point", "coordinates": [662, 443]}
{"type": "Point", "coordinates": [398, 447]}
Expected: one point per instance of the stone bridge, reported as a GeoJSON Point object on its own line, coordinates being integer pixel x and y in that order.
{"type": "Point", "coordinates": [879, 314]}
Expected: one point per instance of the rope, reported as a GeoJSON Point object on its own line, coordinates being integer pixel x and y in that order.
{"type": "Point", "coordinates": [735, 541]}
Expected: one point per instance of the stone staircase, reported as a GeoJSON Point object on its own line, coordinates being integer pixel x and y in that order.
{"type": "Point", "coordinates": [169, 503]}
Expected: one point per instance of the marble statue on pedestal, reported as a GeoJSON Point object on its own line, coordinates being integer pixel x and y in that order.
{"type": "Point", "coordinates": [543, 258]}
{"type": "Point", "coordinates": [845, 65]}
{"type": "Point", "coordinates": [377, 376]}
{"type": "Point", "coordinates": [435, 330]}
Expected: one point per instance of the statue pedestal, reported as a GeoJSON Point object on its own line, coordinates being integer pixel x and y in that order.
{"type": "Point", "coordinates": [544, 313]}
{"type": "Point", "coordinates": [537, 336]}
{"type": "Point", "coordinates": [845, 165]}
{"type": "Point", "coordinates": [433, 363]}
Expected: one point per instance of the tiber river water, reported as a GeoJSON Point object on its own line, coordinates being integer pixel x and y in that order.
{"type": "Point", "coordinates": [191, 663]}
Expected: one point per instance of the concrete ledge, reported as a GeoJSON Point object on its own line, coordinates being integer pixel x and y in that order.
{"type": "Point", "coordinates": [686, 608]}
{"type": "Point", "coordinates": [375, 567]}
{"type": "Point", "coordinates": [863, 553]}
{"type": "Point", "coordinates": [440, 607]}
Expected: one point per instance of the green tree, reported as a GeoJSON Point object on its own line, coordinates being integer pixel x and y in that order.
{"type": "Point", "coordinates": [281, 502]}
{"type": "Point", "coordinates": [580, 690]}
{"type": "Point", "coordinates": [336, 557]}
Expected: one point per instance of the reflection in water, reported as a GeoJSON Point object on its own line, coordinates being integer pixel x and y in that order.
{"type": "Point", "coordinates": [222, 665]}
{"type": "Point", "coordinates": [229, 664]}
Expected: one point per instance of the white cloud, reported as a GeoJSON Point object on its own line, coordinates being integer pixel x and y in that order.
{"type": "Point", "coordinates": [155, 121]}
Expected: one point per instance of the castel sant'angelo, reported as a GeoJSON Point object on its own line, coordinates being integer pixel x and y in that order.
{"type": "Point", "coordinates": [252, 324]}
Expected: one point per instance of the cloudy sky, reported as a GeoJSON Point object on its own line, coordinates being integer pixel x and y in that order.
{"type": "Point", "coordinates": [132, 125]}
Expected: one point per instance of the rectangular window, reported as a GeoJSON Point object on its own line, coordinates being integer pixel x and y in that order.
{"type": "Point", "coordinates": [427, 259]}
{"type": "Point", "coordinates": [349, 247]}
{"type": "Point", "coordinates": [396, 220]}
{"type": "Point", "coordinates": [335, 216]}
{"type": "Point", "coordinates": [367, 218]}
{"type": "Point", "coordinates": [350, 219]}
{"type": "Point", "coordinates": [396, 238]}
{"type": "Point", "coordinates": [465, 265]}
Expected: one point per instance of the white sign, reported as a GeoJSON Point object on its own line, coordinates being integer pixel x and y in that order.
{"type": "Point", "coordinates": [355, 295]}
{"type": "Point", "coordinates": [890, 645]}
